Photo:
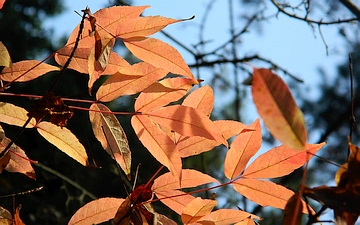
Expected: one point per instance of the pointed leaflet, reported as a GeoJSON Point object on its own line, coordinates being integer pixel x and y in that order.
{"type": "Point", "coordinates": [278, 109]}
{"type": "Point", "coordinates": [64, 140]}
{"type": "Point", "coordinates": [26, 70]}
{"type": "Point", "coordinates": [186, 121]}
{"type": "Point", "coordinates": [14, 115]}
{"type": "Point", "coordinates": [201, 99]}
{"type": "Point", "coordinates": [264, 192]}
{"type": "Point", "coordinates": [5, 59]}
{"type": "Point", "coordinates": [97, 211]}
{"type": "Point", "coordinates": [109, 19]}
{"type": "Point", "coordinates": [196, 209]}
{"type": "Point", "coordinates": [157, 143]}
{"type": "Point", "coordinates": [143, 26]}
{"type": "Point", "coordinates": [129, 80]}
{"type": "Point", "coordinates": [280, 161]}
{"type": "Point", "coordinates": [174, 199]}
{"type": "Point", "coordinates": [244, 146]}
{"type": "Point", "coordinates": [226, 216]}
{"type": "Point", "coordinates": [111, 135]}
{"type": "Point", "coordinates": [162, 93]}
{"type": "Point", "coordinates": [159, 54]}
{"type": "Point", "coordinates": [190, 178]}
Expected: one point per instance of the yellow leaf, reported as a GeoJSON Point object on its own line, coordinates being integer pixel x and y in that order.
{"type": "Point", "coordinates": [5, 59]}
{"type": "Point", "coordinates": [14, 115]}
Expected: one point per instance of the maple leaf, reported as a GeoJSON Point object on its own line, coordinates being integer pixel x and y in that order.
{"type": "Point", "coordinates": [111, 135]}
{"type": "Point", "coordinates": [278, 109]}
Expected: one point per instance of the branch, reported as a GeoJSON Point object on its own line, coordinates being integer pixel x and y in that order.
{"type": "Point", "coordinates": [352, 7]}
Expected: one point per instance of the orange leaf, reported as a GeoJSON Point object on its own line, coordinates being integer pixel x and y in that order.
{"type": "Point", "coordinates": [111, 135]}
{"type": "Point", "coordinates": [201, 99]}
{"type": "Point", "coordinates": [129, 80]}
{"type": "Point", "coordinates": [264, 192]}
{"type": "Point", "coordinates": [158, 144]}
{"type": "Point", "coordinates": [159, 54]}
{"type": "Point", "coordinates": [244, 146]}
{"type": "Point", "coordinates": [14, 115]}
{"type": "Point", "coordinates": [79, 61]}
{"type": "Point", "coordinates": [2, 3]}
{"type": "Point", "coordinates": [97, 211]}
{"type": "Point", "coordinates": [280, 161]}
{"type": "Point", "coordinates": [5, 59]}
{"type": "Point", "coordinates": [247, 221]}
{"type": "Point", "coordinates": [26, 70]}
{"type": "Point", "coordinates": [64, 140]}
{"type": "Point", "coordinates": [226, 216]}
{"type": "Point", "coordinates": [175, 199]}
{"type": "Point", "coordinates": [17, 219]}
{"type": "Point", "coordinates": [196, 209]}
{"type": "Point", "coordinates": [143, 26]}
{"type": "Point", "coordinates": [186, 121]}
{"type": "Point", "coordinates": [278, 109]}
{"type": "Point", "coordinates": [162, 93]}
{"type": "Point", "coordinates": [190, 178]}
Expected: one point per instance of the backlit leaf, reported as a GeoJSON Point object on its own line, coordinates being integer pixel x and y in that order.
{"type": "Point", "coordinates": [196, 209]}
{"type": "Point", "coordinates": [2, 3]}
{"type": "Point", "coordinates": [26, 70]}
{"type": "Point", "coordinates": [5, 59]}
{"type": "Point", "coordinates": [278, 109]}
{"type": "Point", "coordinates": [162, 93]}
{"type": "Point", "coordinates": [158, 144]}
{"type": "Point", "coordinates": [17, 219]}
{"type": "Point", "coordinates": [201, 99]}
{"type": "Point", "coordinates": [129, 80]}
{"type": "Point", "coordinates": [143, 26]}
{"type": "Point", "coordinates": [111, 135]}
{"type": "Point", "coordinates": [64, 140]}
{"type": "Point", "coordinates": [292, 212]}
{"type": "Point", "coordinates": [190, 178]}
{"type": "Point", "coordinates": [159, 54]}
{"type": "Point", "coordinates": [264, 192]}
{"type": "Point", "coordinates": [5, 217]}
{"type": "Point", "coordinates": [280, 161]}
{"type": "Point", "coordinates": [174, 199]}
{"type": "Point", "coordinates": [14, 115]}
{"type": "Point", "coordinates": [244, 146]}
{"type": "Point", "coordinates": [186, 121]}
{"type": "Point", "coordinates": [226, 217]}
{"type": "Point", "coordinates": [97, 211]}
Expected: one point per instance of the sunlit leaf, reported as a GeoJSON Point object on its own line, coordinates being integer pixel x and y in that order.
{"type": "Point", "coordinates": [143, 26]}
{"type": "Point", "coordinates": [17, 219]}
{"type": "Point", "coordinates": [129, 80]}
{"type": "Point", "coordinates": [111, 135]}
{"type": "Point", "coordinates": [97, 211]}
{"type": "Point", "coordinates": [14, 115]}
{"type": "Point", "coordinates": [244, 146]}
{"type": "Point", "coordinates": [64, 140]}
{"type": "Point", "coordinates": [196, 209]}
{"type": "Point", "coordinates": [226, 216]}
{"type": "Point", "coordinates": [158, 144]}
{"type": "Point", "coordinates": [175, 199]}
{"type": "Point", "coordinates": [162, 93]}
{"type": "Point", "coordinates": [201, 99]}
{"type": "Point", "coordinates": [26, 70]}
{"type": "Point", "coordinates": [278, 109]}
{"type": "Point", "coordinates": [280, 161]}
{"type": "Point", "coordinates": [159, 54]}
{"type": "Point", "coordinates": [190, 178]}
{"type": "Point", "coordinates": [5, 59]}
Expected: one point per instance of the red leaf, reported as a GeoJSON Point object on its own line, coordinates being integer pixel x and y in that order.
{"type": "Point", "coordinates": [280, 161]}
{"type": "Point", "coordinates": [244, 146]}
{"type": "Point", "coordinates": [278, 109]}
{"type": "Point", "coordinates": [97, 211]}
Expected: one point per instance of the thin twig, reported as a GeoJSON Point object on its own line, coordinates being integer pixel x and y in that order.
{"type": "Point", "coordinates": [352, 105]}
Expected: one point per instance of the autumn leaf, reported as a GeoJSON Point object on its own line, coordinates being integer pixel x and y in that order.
{"type": "Point", "coordinates": [158, 144]}
{"type": "Point", "coordinates": [111, 135]}
{"type": "Point", "coordinates": [97, 211]}
{"type": "Point", "coordinates": [196, 209]}
{"type": "Point", "coordinates": [159, 54]}
{"type": "Point", "coordinates": [264, 192]}
{"type": "Point", "coordinates": [190, 178]}
{"type": "Point", "coordinates": [129, 80]}
{"type": "Point", "coordinates": [5, 217]}
{"type": "Point", "coordinates": [278, 109]}
{"type": "Point", "coordinates": [292, 211]}
{"type": "Point", "coordinates": [14, 115]}
{"type": "Point", "coordinates": [162, 93]}
{"type": "Point", "coordinates": [280, 161]}
{"type": "Point", "coordinates": [244, 146]}
{"type": "Point", "coordinates": [2, 3]}
{"type": "Point", "coordinates": [64, 140]}
{"type": "Point", "coordinates": [26, 70]}
{"type": "Point", "coordinates": [143, 26]}
{"type": "Point", "coordinates": [174, 199]}
{"type": "Point", "coordinates": [226, 216]}
{"type": "Point", "coordinates": [17, 219]}
{"type": "Point", "coordinates": [201, 99]}
{"type": "Point", "coordinates": [5, 59]}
